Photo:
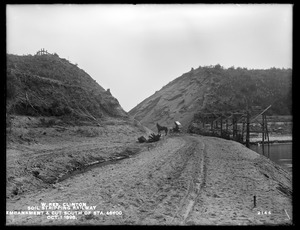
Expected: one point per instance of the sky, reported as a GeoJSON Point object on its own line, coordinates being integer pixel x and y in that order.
{"type": "Point", "coordinates": [134, 50]}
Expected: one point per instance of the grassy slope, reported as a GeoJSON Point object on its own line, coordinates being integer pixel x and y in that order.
{"type": "Point", "coordinates": [50, 86]}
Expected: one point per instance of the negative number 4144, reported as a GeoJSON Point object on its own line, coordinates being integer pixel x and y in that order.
{"type": "Point", "coordinates": [264, 212]}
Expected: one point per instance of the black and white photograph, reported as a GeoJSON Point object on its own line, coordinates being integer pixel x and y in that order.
{"type": "Point", "coordinates": [149, 114]}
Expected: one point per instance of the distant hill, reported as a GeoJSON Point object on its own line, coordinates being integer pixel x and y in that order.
{"type": "Point", "coordinates": [47, 85]}
{"type": "Point", "coordinates": [214, 88]}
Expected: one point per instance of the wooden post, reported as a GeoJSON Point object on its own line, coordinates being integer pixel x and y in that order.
{"type": "Point", "coordinates": [226, 125]}
{"type": "Point", "coordinates": [248, 130]}
{"type": "Point", "coordinates": [266, 126]}
{"type": "Point", "coordinates": [267, 133]}
{"type": "Point", "coordinates": [221, 126]}
{"type": "Point", "coordinates": [243, 129]}
{"type": "Point", "coordinates": [233, 128]}
{"type": "Point", "coordinates": [236, 128]}
{"type": "Point", "coordinates": [263, 134]}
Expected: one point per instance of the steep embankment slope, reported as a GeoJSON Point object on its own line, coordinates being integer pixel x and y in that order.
{"type": "Point", "coordinates": [214, 88]}
{"type": "Point", "coordinates": [46, 85]}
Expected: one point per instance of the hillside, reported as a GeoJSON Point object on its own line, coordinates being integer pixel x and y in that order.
{"type": "Point", "coordinates": [58, 122]}
{"type": "Point", "coordinates": [46, 85]}
{"type": "Point", "coordinates": [214, 88]}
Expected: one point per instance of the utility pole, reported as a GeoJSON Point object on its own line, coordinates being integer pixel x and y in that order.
{"type": "Point", "coordinates": [221, 125]}
{"type": "Point", "coordinates": [248, 129]}
{"type": "Point", "coordinates": [263, 134]}
{"type": "Point", "coordinates": [233, 128]}
{"type": "Point", "coordinates": [226, 125]}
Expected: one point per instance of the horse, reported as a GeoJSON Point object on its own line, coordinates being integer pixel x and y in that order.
{"type": "Point", "coordinates": [161, 128]}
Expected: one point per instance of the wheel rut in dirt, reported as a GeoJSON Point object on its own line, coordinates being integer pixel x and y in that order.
{"type": "Point", "coordinates": [198, 182]}
{"type": "Point", "coordinates": [174, 199]}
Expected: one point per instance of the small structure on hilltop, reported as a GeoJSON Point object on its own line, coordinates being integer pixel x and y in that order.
{"type": "Point", "coordinates": [43, 52]}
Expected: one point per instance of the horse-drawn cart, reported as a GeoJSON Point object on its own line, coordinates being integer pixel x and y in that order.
{"type": "Point", "coordinates": [177, 128]}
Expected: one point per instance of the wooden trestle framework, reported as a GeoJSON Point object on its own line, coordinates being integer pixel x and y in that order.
{"type": "Point", "coordinates": [235, 125]}
{"type": "Point", "coordinates": [42, 52]}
